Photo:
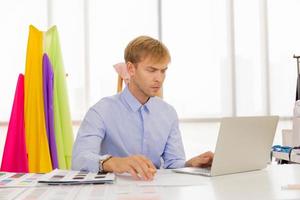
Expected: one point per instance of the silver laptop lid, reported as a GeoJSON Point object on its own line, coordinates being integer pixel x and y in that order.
{"type": "Point", "coordinates": [244, 144]}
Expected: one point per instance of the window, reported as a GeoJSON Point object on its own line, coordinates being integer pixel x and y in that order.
{"type": "Point", "coordinates": [195, 33]}
{"type": "Point", "coordinates": [249, 65]}
{"type": "Point", "coordinates": [284, 42]}
{"type": "Point", "coordinates": [15, 18]}
{"type": "Point", "coordinates": [111, 28]}
{"type": "Point", "coordinates": [68, 16]}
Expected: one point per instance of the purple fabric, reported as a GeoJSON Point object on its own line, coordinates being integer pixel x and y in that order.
{"type": "Point", "coordinates": [48, 78]}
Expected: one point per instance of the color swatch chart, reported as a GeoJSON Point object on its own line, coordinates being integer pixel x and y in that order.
{"type": "Point", "coordinates": [59, 176]}
{"type": "Point", "coordinates": [9, 179]}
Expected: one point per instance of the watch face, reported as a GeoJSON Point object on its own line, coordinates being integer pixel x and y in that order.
{"type": "Point", "coordinates": [102, 160]}
{"type": "Point", "coordinates": [105, 157]}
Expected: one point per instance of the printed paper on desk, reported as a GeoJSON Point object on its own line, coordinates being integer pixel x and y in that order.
{"type": "Point", "coordinates": [173, 179]}
{"type": "Point", "coordinates": [59, 176]}
{"type": "Point", "coordinates": [9, 179]}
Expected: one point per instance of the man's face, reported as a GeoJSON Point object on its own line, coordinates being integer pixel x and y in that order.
{"type": "Point", "coordinates": [147, 77]}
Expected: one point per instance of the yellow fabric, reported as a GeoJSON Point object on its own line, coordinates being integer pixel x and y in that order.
{"type": "Point", "coordinates": [39, 159]}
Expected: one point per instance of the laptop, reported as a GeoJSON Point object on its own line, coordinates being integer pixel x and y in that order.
{"type": "Point", "coordinates": [244, 144]}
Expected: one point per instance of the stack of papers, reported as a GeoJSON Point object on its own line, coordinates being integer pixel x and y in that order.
{"type": "Point", "coordinates": [68, 177]}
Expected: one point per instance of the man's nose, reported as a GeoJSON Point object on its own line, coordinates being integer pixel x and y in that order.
{"type": "Point", "coordinates": [159, 76]}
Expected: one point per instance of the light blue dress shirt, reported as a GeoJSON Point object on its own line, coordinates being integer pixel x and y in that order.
{"type": "Point", "coordinates": [121, 126]}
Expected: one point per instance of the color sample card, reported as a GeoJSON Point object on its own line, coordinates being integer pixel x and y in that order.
{"type": "Point", "coordinates": [9, 179]}
{"type": "Point", "coordinates": [59, 176]}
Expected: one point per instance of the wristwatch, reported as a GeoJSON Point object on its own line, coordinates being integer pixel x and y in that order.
{"type": "Point", "coordinates": [102, 160]}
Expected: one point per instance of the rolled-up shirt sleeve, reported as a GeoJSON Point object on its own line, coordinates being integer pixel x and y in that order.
{"type": "Point", "coordinates": [86, 149]}
{"type": "Point", "coordinates": [174, 156]}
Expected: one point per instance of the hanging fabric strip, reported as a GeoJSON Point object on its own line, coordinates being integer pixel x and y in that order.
{"type": "Point", "coordinates": [298, 88]}
{"type": "Point", "coordinates": [48, 105]}
{"type": "Point", "coordinates": [14, 157]}
{"type": "Point", "coordinates": [62, 117]}
{"type": "Point", "coordinates": [35, 129]}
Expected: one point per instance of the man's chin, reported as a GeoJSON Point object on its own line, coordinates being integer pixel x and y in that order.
{"type": "Point", "coordinates": [153, 93]}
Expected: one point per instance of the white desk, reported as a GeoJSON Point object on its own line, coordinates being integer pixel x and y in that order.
{"type": "Point", "coordinates": [263, 184]}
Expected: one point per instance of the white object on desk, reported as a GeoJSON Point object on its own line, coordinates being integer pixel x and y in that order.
{"type": "Point", "coordinates": [296, 124]}
{"type": "Point", "coordinates": [171, 179]}
{"type": "Point", "coordinates": [287, 137]}
{"type": "Point", "coordinates": [281, 155]}
{"type": "Point", "coordinates": [294, 156]}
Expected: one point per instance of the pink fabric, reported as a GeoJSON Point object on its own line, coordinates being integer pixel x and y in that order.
{"type": "Point", "coordinates": [14, 157]}
{"type": "Point", "coordinates": [121, 69]}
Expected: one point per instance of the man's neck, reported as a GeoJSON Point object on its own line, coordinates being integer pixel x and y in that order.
{"type": "Point", "coordinates": [138, 94]}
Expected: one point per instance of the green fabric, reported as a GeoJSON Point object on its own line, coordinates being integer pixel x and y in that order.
{"type": "Point", "coordinates": [62, 117]}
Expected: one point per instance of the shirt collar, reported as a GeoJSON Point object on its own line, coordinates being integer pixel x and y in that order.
{"type": "Point", "coordinates": [133, 103]}
{"type": "Point", "coordinates": [149, 104]}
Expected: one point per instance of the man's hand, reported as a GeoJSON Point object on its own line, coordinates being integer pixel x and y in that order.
{"type": "Point", "coordinates": [203, 160]}
{"type": "Point", "coordinates": [140, 167]}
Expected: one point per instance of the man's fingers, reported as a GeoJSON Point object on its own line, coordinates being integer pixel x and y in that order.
{"type": "Point", "coordinates": [203, 161]}
{"type": "Point", "coordinates": [149, 163]}
{"type": "Point", "coordinates": [208, 154]}
{"type": "Point", "coordinates": [144, 165]}
{"type": "Point", "coordinates": [139, 169]}
{"type": "Point", "coordinates": [150, 168]}
{"type": "Point", "coordinates": [138, 166]}
{"type": "Point", "coordinates": [133, 173]}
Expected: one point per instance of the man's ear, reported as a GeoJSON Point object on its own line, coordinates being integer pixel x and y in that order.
{"type": "Point", "coordinates": [130, 68]}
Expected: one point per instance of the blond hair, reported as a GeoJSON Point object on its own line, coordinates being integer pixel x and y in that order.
{"type": "Point", "coordinates": [144, 47]}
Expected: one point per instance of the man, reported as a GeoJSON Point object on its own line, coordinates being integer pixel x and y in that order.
{"type": "Point", "coordinates": [134, 131]}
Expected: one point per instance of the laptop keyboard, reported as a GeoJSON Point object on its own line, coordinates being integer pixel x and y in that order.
{"type": "Point", "coordinates": [205, 171]}
{"type": "Point", "coordinates": [193, 170]}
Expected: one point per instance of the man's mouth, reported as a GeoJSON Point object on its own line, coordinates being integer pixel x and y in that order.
{"type": "Point", "coordinates": [155, 87]}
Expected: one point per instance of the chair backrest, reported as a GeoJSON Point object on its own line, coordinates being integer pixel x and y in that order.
{"type": "Point", "coordinates": [120, 84]}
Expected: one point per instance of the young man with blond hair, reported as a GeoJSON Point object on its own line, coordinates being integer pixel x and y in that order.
{"type": "Point", "coordinates": [135, 131]}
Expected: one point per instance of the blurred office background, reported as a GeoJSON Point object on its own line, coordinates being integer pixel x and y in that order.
{"type": "Point", "coordinates": [229, 57]}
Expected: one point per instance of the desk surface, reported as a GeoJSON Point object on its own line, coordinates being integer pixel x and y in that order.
{"type": "Point", "coordinates": [262, 184]}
